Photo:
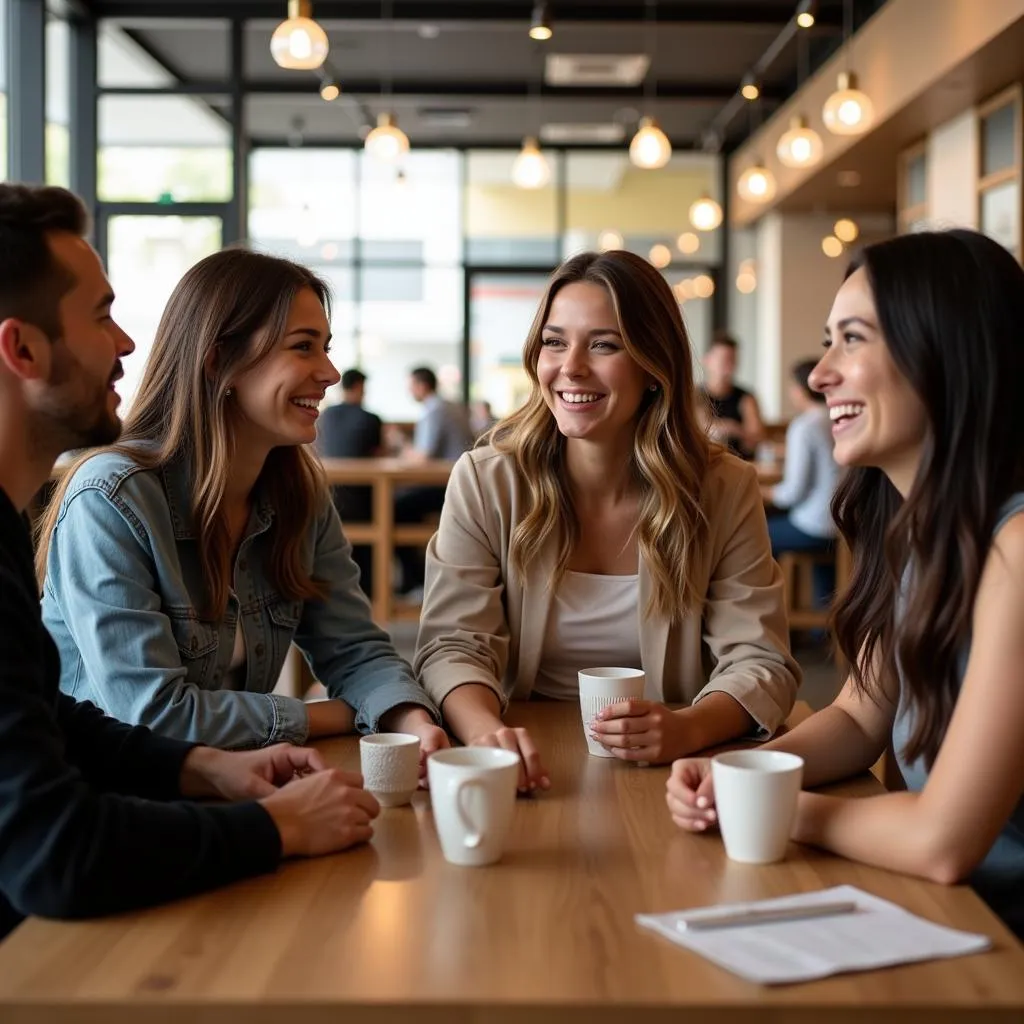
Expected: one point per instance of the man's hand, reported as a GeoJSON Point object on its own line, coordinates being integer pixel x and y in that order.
{"type": "Point", "coordinates": [245, 775]}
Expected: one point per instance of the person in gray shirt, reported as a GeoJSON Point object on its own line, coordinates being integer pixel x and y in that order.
{"type": "Point", "coordinates": [804, 496]}
{"type": "Point", "coordinates": [442, 432]}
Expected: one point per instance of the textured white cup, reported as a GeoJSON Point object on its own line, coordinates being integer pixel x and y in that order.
{"type": "Point", "coordinates": [600, 687]}
{"type": "Point", "coordinates": [390, 763]}
{"type": "Point", "coordinates": [755, 796]}
{"type": "Point", "coordinates": [473, 796]}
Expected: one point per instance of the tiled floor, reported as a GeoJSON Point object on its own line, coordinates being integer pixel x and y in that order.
{"type": "Point", "coordinates": [820, 685]}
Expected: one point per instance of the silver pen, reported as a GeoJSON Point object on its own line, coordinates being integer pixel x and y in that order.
{"type": "Point", "coordinates": [765, 915]}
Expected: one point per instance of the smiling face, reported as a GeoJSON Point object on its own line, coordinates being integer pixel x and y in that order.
{"type": "Point", "coordinates": [878, 419]}
{"type": "Point", "coordinates": [78, 401]}
{"type": "Point", "coordinates": [277, 401]}
{"type": "Point", "coordinates": [591, 384]}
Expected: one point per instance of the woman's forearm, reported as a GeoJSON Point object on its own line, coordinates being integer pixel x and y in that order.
{"type": "Point", "coordinates": [832, 745]}
{"type": "Point", "coordinates": [470, 710]}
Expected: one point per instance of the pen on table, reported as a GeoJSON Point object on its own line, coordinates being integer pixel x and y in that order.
{"type": "Point", "coordinates": [766, 915]}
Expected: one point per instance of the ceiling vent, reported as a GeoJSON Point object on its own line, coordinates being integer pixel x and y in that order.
{"type": "Point", "coordinates": [445, 117]}
{"type": "Point", "coordinates": [596, 69]}
{"type": "Point", "coordinates": [582, 134]}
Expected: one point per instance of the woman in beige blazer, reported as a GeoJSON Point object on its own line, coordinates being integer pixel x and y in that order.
{"type": "Point", "coordinates": [601, 527]}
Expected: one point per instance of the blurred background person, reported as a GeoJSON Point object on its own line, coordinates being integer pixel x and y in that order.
{"type": "Point", "coordinates": [348, 431]}
{"type": "Point", "coordinates": [442, 432]}
{"type": "Point", "coordinates": [803, 498]}
{"type": "Point", "coordinates": [734, 418]}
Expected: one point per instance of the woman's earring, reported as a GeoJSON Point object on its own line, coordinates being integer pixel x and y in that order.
{"type": "Point", "coordinates": [652, 387]}
{"type": "Point", "coordinates": [229, 392]}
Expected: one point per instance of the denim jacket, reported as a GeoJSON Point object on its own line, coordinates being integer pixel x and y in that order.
{"type": "Point", "coordinates": [122, 595]}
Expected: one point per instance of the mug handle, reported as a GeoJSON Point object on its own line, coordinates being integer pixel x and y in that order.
{"type": "Point", "coordinates": [474, 837]}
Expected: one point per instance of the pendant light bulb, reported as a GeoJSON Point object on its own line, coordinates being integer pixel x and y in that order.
{"type": "Point", "coordinates": [387, 142]}
{"type": "Point", "coordinates": [801, 146]}
{"type": "Point", "coordinates": [650, 148]}
{"type": "Point", "coordinates": [530, 169]}
{"type": "Point", "coordinates": [299, 43]}
{"type": "Point", "coordinates": [756, 184]}
{"type": "Point", "coordinates": [848, 111]}
{"type": "Point", "coordinates": [705, 214]}
{"type": "Point", "coordinates": [540, 23]}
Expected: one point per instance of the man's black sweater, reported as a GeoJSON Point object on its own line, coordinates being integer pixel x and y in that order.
{"type": "Point", "coordinates": [83, 831]}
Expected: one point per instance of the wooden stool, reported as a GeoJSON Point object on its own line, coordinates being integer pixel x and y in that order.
{"type": "Point", "coordinates": [797, 576]}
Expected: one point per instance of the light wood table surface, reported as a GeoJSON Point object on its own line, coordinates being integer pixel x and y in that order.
{"type": "Point", "coordinates": [385, 477]}
{"type": "Point", "coordinates": [391, 933]}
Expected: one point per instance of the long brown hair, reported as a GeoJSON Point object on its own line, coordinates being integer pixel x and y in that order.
{"type": "Point", "coordinates": [225, 316]}
{"type": "Point", "coordinates": [670, 451]}
{"type": "Point", "coordinates": [951, 309]}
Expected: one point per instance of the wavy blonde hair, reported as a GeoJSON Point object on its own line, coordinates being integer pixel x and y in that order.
{"type": "Point", "coordinates": [224, 317]}
{"type": "Point", "coordinates": [671, 452]}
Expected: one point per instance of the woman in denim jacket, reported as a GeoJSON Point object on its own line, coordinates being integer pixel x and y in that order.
{"type": "Point", "coordinates": [179, 565]}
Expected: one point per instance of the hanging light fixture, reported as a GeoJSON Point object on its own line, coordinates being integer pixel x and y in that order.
{"type": "Point", "coordinates": [387, 142]}
{"type": "Point", "coordinates": [531, 169]}
{"type": "Point", "coordinates": [660, 255]}
{"type": "Point", "coordinates": [749, 88]}
{"type": "Point", "coordinates": [848, 111]}
{"type": "Point", "coordinates": [705, 214]}
{"type": "Point", "coordinates": [540, 23]}
{"type": "Point", "coordinates": [805, 13]}
{"type": "Point", "coordinates": [846, 230]}
{"type": "Point", "coordinates": [801, 145]}
{"type": "Point", "coordinates": [329, 90]}
{"type": "Point", "coordinates": [688, 243]}
{"type": "Point", "coordinates": [756, 184]}
{"type": "Point", "coordinates": [299, 43]}
{"type": "Point", "coordinates": [650, 148]}
{"type": "Point", "coordinates": [610, 239]}
{"type": "Point", "coordinates": [831, 246]}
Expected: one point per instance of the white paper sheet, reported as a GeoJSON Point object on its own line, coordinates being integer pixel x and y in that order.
{"type": "Point", "coordinates": [877, 934]}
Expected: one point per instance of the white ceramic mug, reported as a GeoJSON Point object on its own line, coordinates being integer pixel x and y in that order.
{"type": "Point", "coordinates": [473, 795]}
{"type": "Point", "coordinates": [390, 763]}
{"type": "Point", "coordinates": [600, 687]}
{"type": "Point", "coordinates": [755, 797]}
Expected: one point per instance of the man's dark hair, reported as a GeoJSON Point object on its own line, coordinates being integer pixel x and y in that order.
{"type": "Point", "coordinates": [722, 338]}
{"type": "Point", "coordinates": [352, 378]}
{"type": "Point", "coordinates": [32, 280]}
{"type": "Point", "coordinates": [801, 374]}
{"type": "Point", "coordinates": [426, 376]}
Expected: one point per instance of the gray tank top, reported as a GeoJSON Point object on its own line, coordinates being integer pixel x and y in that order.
{"type": "Point", "coordinates": [999, 879]}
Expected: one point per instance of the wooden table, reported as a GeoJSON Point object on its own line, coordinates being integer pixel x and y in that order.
{"type": "Point", "coordinates": [385, 476]}
{"type": "Point", "coordinates": [391, 933]}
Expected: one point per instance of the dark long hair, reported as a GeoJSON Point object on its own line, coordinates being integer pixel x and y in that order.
{"type": "Point", "coordinates": [951, 308]}
{"type": "Point", "coordinates": [224, 316]}
{"type": "Point", "coordinates": [670, 450]}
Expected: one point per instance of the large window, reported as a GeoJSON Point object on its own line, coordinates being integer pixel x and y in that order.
{"type": "Point", "coordinates": [1000, 155]}
{"type": "Point", "coordinates": [58, 151]}
{"type": "Point", "coordinates": [3, 90]}
{"type": "Point", "coordinates": [912, 185]}
{"type": "Point", "coordinates": [389, 242]}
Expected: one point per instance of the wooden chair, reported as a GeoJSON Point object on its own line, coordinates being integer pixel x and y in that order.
{"type": "Point", "coordinates": [797, 576]}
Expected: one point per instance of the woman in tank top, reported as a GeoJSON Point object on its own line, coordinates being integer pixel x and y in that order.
{"type": "Point", "coordinates": [600, 527]}
{"type": "Point", "coordinates": [923, 365]}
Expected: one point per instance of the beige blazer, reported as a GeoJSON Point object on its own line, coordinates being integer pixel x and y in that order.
{"type": "Point", "coordinates": [482, 624]}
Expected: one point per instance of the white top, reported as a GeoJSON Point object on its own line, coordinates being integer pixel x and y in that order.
{"type": "Point", "coordinates": [810, 474]}
{"type": "Point", "coordinates": [593, 623]}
